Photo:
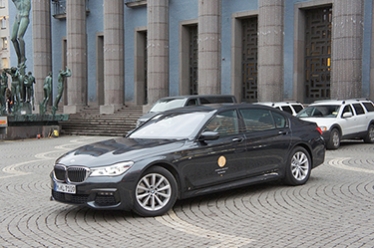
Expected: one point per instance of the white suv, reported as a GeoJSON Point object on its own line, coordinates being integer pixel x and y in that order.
{"type": "Point", "coordinates": [290, 107]}
{"type": "Point", "coordinates": [342, 119]}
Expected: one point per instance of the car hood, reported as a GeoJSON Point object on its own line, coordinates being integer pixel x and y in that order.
{"type": "Point", "coordinates": [325, 121]}
{"type": "Point", "coordinates": [115, 150]}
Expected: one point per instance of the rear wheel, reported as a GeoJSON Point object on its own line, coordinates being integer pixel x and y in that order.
{"type": "Point", "coordinates": [155, 192]}
{"type": "Point", "coordinates": [334, 141]}
{"type": "Point", "coordinates": [369, 138]}
{"type": "Point", "coordinates": [298, 167]}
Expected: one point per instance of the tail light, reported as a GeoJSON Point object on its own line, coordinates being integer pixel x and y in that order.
{"type": "Point", "coordinates": [319, 130]}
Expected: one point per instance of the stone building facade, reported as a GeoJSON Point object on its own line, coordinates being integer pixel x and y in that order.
{"type": "Point", "coordinates": [134, 52]}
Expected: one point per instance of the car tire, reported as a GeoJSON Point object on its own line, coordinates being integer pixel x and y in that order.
{"type": "Point", "coordinates": [334, 140]}
{"type": "Point", "coordinates": [155, 193]}
{"type": "Point", "coordinates": [298, 167]}
{"type": "Point", "coordinates": [369, 138]}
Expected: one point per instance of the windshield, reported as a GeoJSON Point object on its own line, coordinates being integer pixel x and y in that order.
{"type": "Point", "coordinates": [166, 104]}
{"type": "Point", "coordinates": [177, 126]}
{"type": "Point", "coordinates": [325, 111]}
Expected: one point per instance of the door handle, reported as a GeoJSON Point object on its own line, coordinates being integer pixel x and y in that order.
{"type": "Point", "coordinates": [283, 132]}
{"type": "Point", "coordinates": [237, 139]}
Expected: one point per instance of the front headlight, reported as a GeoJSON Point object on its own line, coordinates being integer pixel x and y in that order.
{"type": "Point", "coordinates": [111, 170]}
{"type": "Point", "coordinates": [323, 128]}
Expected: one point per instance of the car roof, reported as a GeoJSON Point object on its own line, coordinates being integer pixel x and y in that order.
{"type": "Point", "coordinates": [279, 103]}
{"type": "Point", "coordinates": [217, 107]}
{"type": "Point", "coordinates": [339, 102]}
{"type": "Point", "coordinates": [192, 96]}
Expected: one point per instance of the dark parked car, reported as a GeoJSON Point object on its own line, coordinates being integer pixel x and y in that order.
{"type": "Point", "coordinates": [173, 102]}
{"type": "Point", "coordinates": [187, 152]}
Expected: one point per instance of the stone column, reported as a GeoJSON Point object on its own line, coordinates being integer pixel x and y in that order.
{"type": "Point", "coordinates": [41, 28]}
{"type": "Point", "coordinates": [371, 94]}
{"type": "Point", "coordinates": [76, 56]}
{"type": "Point", "coordinates": [113, 56]}
{"type": "Point", "coordinates": [158, 50]}
{"type": "Point", "coordinates": [209, 47]}
{"type": "Point", "coordinates": [347, 49]}
{"type": "Point", "coordinates": [270, 50]}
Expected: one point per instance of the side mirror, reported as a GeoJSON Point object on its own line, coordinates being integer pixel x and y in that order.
{"type": "Point", "coordinates": [209, 135]}
{"type": "Point", "coordinates": [347, 115]}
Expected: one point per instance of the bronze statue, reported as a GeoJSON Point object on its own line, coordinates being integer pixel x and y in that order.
{"type": "Point", "coordinates": [17, 82]}
{"type": "Point", "coordinates": [29, 82]}
{"type": "Point", "coordinates": [9, 100]}
{"type": "Point", "coordinates": [19, 28]}
{"type": "Point", "coordinates": [3, 88]}
{"type": "Point", "coordinates": [60, 87]}
{"type": "Point", "coordinates": [47, 88]}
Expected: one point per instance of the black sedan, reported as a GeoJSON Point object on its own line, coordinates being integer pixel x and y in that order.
{"type": "Point", "coordinates": [187, 152]}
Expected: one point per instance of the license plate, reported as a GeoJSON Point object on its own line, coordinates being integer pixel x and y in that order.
{"type": "Point", "coordinates": [64, 188]}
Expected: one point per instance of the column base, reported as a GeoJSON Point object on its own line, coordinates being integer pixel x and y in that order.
{"type": "Point", "coordinates": [147, 107]}
{"type": "Point", "coordinates": [72, 109]}
{"type": "Point", "coordinates": [109, 109]}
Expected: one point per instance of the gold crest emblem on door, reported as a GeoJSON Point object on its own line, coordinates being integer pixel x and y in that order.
{"type": "Point", "coordinates": [221, 161]}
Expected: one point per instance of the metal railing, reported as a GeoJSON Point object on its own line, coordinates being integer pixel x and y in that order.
{"type": "Point", "coordinates": [59, 7]}
{"type": "Point", "coordinates": [135, 3]}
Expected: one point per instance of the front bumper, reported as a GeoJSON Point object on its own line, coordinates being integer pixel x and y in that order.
{"type": "Point", "coordinates": [106, 193]}
{"type": "Point", "coordinates": [326, 136]}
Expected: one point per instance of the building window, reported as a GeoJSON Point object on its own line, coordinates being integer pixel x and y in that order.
{"type": "Point", "coordinates": [140, 75]}
{"type": "Point", "coordinates": [5, 63]}
{"type": "Point", "coordinates": [2, 3]}
{"type": "Point", "coordinates": [3, 23]}
{"type": "Point", "coordinates": [318, 29]}
{"type": "Point", "coordinates": [188, 84]}
{"type": "Point", "coordinates": [4, 43]}
{"type": "Point", "coordinates": [193, 60]}
{"type": "Point", "coordinates": [249, 59]}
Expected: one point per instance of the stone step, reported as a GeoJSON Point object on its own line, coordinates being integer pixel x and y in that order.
{"type": "Point", "coordinates": [89, 121]}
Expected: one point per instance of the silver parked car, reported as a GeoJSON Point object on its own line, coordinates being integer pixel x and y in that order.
{"type": "Point", "coordinates": [173, 102]}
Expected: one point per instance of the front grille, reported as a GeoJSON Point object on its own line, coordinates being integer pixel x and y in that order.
{"type": "Point", "coordinates": [69, 198]}
{"type": "Point", "coordinates": [106, 200]}
{"type": "Point", "coordinates": [60, 172]}
{"type": "Point", "coordinates": [74, 174]}
{"type": "Point", "coordinates": [77, 174]}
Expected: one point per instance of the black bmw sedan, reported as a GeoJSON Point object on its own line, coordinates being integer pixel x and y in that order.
{"type": "Point", "coordinates": [187, 152]}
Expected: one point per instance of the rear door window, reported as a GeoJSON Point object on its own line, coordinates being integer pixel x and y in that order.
{"type": "Point", "coordinates": [279, 120]}
{"type": "Point", "coordinates": [257, 120]}
{"type": "Point", "coordinates": [368, 106]}
{"type": "Point", "coordinates": [358, 108]}
{"type": "Point", "coordinates": [287, 109]}
{"type": "Point", "coordinates": [297, 108]}
{"type": "Point", "coordinates": [192, 102]}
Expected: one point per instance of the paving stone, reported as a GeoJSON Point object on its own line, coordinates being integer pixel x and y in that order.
{"type": "Point", "coordinates": [334, 209]}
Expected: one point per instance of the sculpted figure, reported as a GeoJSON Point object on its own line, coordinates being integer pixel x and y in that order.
{"type": "Point", "coordinates": [3, 88]}
{"type": "Point", "coordinates": [60, 87]}
{"type": "Point", "coordinates": [9, 101]}
{"type": "Point", "coordinates": [47, 88]}
{"type": "Point", "coordinates": [16, 84]}
{"type": "Point", "coordinates": [19, 28]}
{"type": "Point", "coordinates": [29, 82]}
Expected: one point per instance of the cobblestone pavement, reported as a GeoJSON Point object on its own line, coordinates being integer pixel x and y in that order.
{"type": "Point", "coordinates": [334, 209]}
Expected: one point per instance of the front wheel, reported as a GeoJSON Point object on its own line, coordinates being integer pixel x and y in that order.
{"type": "Point", "coordinates": [334, 141]}
{"type": "Point", "coordinates": [369, 138]}
{"type": "Point", "coordinates": [298, 167]}
{"type": "Point", "coordinates": [155, 192]}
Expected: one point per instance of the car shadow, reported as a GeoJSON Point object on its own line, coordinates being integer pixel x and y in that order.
{"type": "Point", "coordinates": [88, 214]}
